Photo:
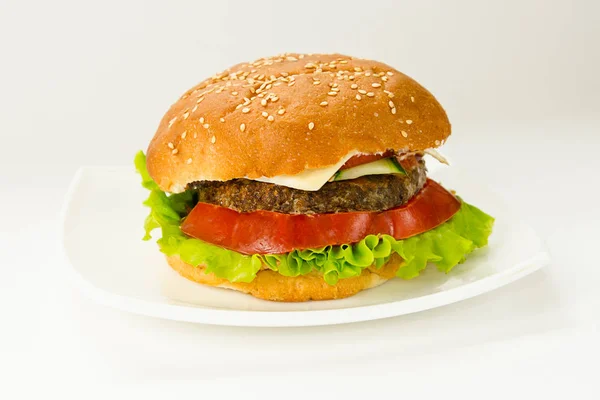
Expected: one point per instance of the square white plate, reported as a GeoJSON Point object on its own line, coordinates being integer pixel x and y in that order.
{"type": "Point", "coordinates": [102, 230]}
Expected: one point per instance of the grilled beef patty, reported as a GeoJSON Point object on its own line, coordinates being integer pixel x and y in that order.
{"type": "Point", "coordinates": [367, 193]}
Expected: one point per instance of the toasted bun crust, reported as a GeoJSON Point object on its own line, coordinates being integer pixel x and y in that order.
{"type": "Point", "coordinates": [270, 285]}
{"type": "Point", "coordinates": [282, 115]}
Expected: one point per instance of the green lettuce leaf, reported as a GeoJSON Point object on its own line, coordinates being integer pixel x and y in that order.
{"type": "Point", "coordinates": [445, 246]}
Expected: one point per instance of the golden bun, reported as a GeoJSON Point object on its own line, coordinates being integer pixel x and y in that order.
{"type": "Point", "coordinates": [270, 285]}
{"type": "Point", "coordinates": [284, 114]}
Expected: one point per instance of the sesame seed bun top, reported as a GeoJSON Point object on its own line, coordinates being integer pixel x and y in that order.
{"type": "Point", "coordinates": [284, 114]}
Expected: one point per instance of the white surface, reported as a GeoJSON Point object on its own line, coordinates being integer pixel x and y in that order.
{"type": "Point", "coordinates": [86, 83]}
{"type": "Point", "coordinates": [134, 276]}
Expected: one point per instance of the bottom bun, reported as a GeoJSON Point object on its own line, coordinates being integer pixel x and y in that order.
{"type": "Point", "coordinates": [270, 285]}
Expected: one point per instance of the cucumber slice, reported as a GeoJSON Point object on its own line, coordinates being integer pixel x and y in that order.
{"type": "Point", "coordinates": [379, 167]}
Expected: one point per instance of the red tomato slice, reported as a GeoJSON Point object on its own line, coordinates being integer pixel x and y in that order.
{"type": "Point", "coordinates": [267, 232]}
{"type": "Point", "coordinates": [360, 159]}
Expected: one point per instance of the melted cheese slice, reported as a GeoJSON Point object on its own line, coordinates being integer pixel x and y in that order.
{"type": "Point", "coordinates": [314, 179]}
{"type": "Point", "coordinates": [310, 179]}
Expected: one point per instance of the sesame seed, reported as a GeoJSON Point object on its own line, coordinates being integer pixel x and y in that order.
{"type": "Point", "coordinates": [245, 110]}
{"type": "Point", "coordinates": [222, 119]}
{"type": "Point", "coordinates": [206, 126]}
{"type": "Point", "coordinates": [280, 112]}
{"type": "Point", "coordinates": [195, 135]}
{"type": "Point", "coordinates": [242, 127]}
{"type": "Point", "coordinates": [409, 121]}
{"type": "Point", "coordinates": [310, 65]}
{"type": "Point", "coordinates": [189, 161]}
{"type": "Point", "coordinates": [183, 134]}
{"type": "Point", "coordinates": [195, 108]}
{"type": "Point", "coordinates": [174, 151]}
{"type": "Point", "coordinates": [316, 82]}
{"type": "Point", "coordinates": [376, 114]}
{"type": "Point", "coordinates": [376, 84]}
{"type": "Point", "coordinates": [390, 94]}
{"type": "Point", "coordinates": [412, 99]}
{"type": "Point", "coordinates": [391, 104]}
{"type": "Point", "coordinates": [358, 97]}
{"type": "Point", "coordinates": [170, 145]}
{"type": "Point", "coordinates": [234, 93]}
{"type": "Point", "coordinates": [213, 139]}
{"type": "Point", "coordinates": [187, 114]}
{"type": "Point", "coordinates": [291, 83]}
{"type": "Point", "coordinates": [370, 94]}
{"type": "Point", "coordinates": [362, 91]}
{"type": "Point", "coordinates": [311, 126]}
{"type": "Point", "coordinates": [354, 86]}
{"type": "Point", "coordinates": [265, 114]}
{"type": "Point", "coordinates": [172, 121]}
{"type": "Point", "coordinates": [357, 69]}
{"type": "Point", "coordinates": [394, 110]}
{"type": "Point", "coordinates": [332, 93]}
{"type": "Point", "coordinates": [239, 106]}
{"type": "Point", "coordinates": [199, 99]}
{"type": "Point", "coordinates": [367, 74]}
{"type": "Point", "coordinates": [384, 78]}
{"type": "Point", "coordinates": [201, 120]}
{"type": "Point", "coordinates": [437, 142]}
{"type": "Point", "coordinates": [291, 58]}
{"type": "Point", "coordinates": [344, 62]}
{"type": "Point", "coordinates": [404, 134]}
{"type": "Point", "coordinates": [335, 89]}
{"type": "Point", "coordinates": [263, 102]}
{"type": "Point", "coordinates": [351, 77]}
{"type": "Point", "coordinates": [270, 118]}
{"type": "Point", "coordinates": [274, 99]}
{"type": "Point", "coordinates": [323, 103]}
{"type": "Point", "coordinates": [390, 73]}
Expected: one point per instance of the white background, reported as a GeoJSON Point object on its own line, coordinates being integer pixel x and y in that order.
{"type": "Point", "coordinates": [87, 83]}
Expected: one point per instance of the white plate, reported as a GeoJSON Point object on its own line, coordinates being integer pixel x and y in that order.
{"type": "Point", "coordinates": [102, 230]}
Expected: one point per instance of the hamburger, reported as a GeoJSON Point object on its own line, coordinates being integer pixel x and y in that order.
{"type": "Point", "coordinates": [301, 177]}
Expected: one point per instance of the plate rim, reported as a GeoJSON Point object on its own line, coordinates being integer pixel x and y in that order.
{"type": "Point", "coordinates": [294, 318]}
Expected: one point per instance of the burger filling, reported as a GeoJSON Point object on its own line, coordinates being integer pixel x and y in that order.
{"type": "Point", "coordinates": [368, 212]}
{"type": "Point", "coordinates": [365, 193]}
